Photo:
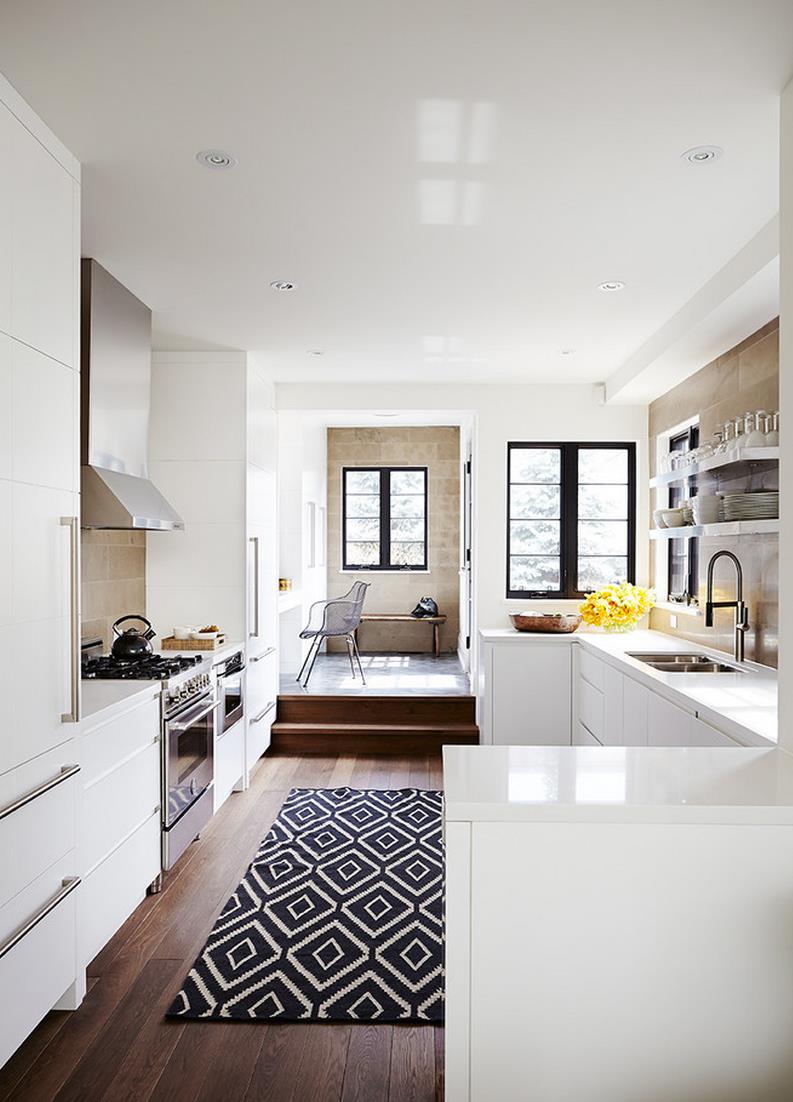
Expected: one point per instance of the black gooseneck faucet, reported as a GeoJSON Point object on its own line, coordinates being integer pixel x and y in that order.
{"type": "Point", "coordinates": [741, 611]}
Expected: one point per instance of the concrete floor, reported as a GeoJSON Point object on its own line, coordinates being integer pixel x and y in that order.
{"type": "Point", "coordinates": [386, 675]}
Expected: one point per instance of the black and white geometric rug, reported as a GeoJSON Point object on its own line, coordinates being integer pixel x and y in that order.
{"type": "Point", "coordinates": [338, 918]}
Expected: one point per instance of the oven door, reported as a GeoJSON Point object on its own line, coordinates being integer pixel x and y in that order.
{"type": "Point", "coordinates": [231, 686]}
{"type": "Point", "coordinates": [189, 755]}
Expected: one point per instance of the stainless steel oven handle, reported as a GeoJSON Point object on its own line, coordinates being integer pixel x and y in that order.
{"type": "Point", "coordinates": [66, 772]}
{"type": "Point", "coordinates": [192, 719]}
{"type": "Point", "coordinates": [261, 715]}
{"type": "Point", "coordinates": [264, 654]}
{"type": "Point", "coordinates": [255, 633]}
{"type": "Point", "coordinates": [67, 888]}
{"type": "Point", "coordinates": [73, 524]}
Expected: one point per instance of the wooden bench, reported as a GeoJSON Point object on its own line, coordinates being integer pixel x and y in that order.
{"type": "Point", "coordinates": [406, 618]}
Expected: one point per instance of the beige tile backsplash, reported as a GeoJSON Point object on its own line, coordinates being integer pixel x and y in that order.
{"type": "Point", "coordinates": [113, 580]}
{"type": "Point", "coordinates": [437, 448]}
{"type": "Point", "coordinates": [745, 378]}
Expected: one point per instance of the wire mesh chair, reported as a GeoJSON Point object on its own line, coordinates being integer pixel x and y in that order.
{"type": "Point", "coordinates": [326, 619]}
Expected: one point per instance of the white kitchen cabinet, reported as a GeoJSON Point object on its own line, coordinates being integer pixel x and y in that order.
{"type": "Point", "coordinates": [667, 724]}
{"type": "Point", "coordinates": [702, 734]}
{"type": "Point", "coordinates": [613, 707]}
{"type": "Point", "coordinates": [527, 694]}
{"type": "Point", "coordinates": [584, 737]}
{"type": "Point", "coordinates": [229, 762]}
{"type": "Point", "coordinates": [634, 712]}
{"type": "Point", "coordinates": [261, 702]}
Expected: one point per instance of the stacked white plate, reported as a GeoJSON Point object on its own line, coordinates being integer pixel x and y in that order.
{"type": "Point", "coordinates": [763, 505]}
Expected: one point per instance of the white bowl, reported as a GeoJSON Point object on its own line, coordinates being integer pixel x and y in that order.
{"type": "Point", "coordinates": [204, 634]}
{"type": "Point", "coordinates": [183, 632]}
{"type": "Point", "coordinates": [673, 518]}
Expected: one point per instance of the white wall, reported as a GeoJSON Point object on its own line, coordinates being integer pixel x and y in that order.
{"type": "Point", "coordinates": [501, 413]}
{"type": "Point", "coordinates": [786, 407]}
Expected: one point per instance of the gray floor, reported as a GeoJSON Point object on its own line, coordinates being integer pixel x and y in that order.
{"type": "Point", "coordinates": [386, 675]}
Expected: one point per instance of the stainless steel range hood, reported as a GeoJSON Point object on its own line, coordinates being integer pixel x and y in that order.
{"type": "Point", "coordinates": [115, 388]}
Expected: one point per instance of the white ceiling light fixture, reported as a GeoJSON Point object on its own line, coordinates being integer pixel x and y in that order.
{"type": "Point", "coordinates": [313, 351]}
{"type": "Point", "coordinates": [386, 415]}
{"type": "Point", "coordinates": [282, 285]}
{"type": "Point", "coordinates": [611, 285]}
{"type": "Point", "coordinates": [567, 351]}
{"type": "Point", "coordinates": [215, 158]}
{"type": "Point", "coordinates": [702, 154]}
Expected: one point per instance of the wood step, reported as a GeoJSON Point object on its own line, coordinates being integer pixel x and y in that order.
{"type": "Point", "coordinates": [365, 709]}
{"type": "Point", "coordinates": [369, 738]}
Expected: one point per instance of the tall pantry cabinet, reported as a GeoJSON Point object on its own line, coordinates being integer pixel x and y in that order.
{"type": "Point", "coordinates": [39, 570]}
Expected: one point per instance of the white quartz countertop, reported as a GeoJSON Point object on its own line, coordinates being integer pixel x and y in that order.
{"type": "Point", "coordinates": [103, 699]}
{"type": "Point", "coordinates": [742, 705]}
{"type": "Point", "coordinates": [617, 784]}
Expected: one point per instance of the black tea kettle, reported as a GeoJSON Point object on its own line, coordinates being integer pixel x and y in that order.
{"type": "Point", "coordinates": [132, 644]}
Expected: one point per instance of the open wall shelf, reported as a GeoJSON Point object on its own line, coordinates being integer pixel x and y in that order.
{"type": "Point", "coordinates": [741, 462]}
{"type": "Point", "coordinates": [725, 528]}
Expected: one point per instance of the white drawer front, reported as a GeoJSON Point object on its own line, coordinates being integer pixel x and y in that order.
{"type": "Point", "coordinates": [582, 737]}
{"type": "Point", "coordinates": [229, 761]}
{"type": "Point", "coordinates": [590, 708]}
{"type": "Point", "coordinates": [114, 889]}
{"type": "Point", "coordinates": [260, 703]}
{"type": "Point", "coordinates": [42, 964]}
{"type": "Point", "coordinates": [35, 835]}
{"type": "Point", "coordinates": [591, 669]}
{"type": "Point", "coordinates": [118, 803]}
{"type": "Point", "coordinates": [105, 747]}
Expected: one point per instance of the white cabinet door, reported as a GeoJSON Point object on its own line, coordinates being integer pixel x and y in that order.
{"type": "Point", "coordinates": [260, 704]}
{"type": "Point", "coordinates": [262, 424]}
{"type": "Point", "coordinates": [614, 707]}
{"type": "Point", "coordinates": [530, 695]}
{"type": "Point", "coordinates": [582, 737]}
{"type": "Point", "coordinates": [667, 725]}
{"type": "Point", "coordinates": [702, 734]}
{"type": "Point", "coordinates": [634, 713]}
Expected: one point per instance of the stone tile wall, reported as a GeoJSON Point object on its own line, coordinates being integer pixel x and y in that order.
{"type": "Point", "coordinates": [113, 580]}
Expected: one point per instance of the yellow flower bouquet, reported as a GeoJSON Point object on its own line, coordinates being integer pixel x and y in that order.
{"type": "Point", "coordinates": [617, 607]}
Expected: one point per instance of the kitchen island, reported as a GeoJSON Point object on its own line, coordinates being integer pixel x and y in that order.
{"type": "Point", "coordinates": [619, 923]}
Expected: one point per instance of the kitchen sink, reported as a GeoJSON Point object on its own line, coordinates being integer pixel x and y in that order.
{"type": "Point", "coordinates": [685, 663]}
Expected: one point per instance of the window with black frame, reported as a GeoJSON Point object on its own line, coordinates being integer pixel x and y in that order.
{"type": "Point", "coordinates": [384, 518]}
{"type": "Point", "coordinates": [571, 518]}
{"type": "Point", "coordinates": [683, 568]}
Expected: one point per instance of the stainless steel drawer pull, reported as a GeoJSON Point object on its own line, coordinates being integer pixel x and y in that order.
{"type": "Point", "coordinates": [261, 715]}
{"type": "Point", "coordinates": [15, 938]}
{"type": "Point", "coordinates": [66, 772]}
{"type": "Point", "coordinates": [190, 720]}
{"type": "Point", "coordinates": [264, 654]}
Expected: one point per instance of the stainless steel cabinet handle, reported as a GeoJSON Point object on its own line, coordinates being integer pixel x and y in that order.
{"type": "Point", "coordinates": [261, 715]}
{"type": "Point", "coordinates": [255, 541]}
{"type": "Point", "coordinates": [264, 654]}
{"type": "Point", "coordinates": [66, 772]}
{"type": "Point", "coordinates": [73, 524]}
{"type": "Point", "coordinates": [67, 888]}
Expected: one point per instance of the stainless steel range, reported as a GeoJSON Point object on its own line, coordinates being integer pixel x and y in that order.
{"type": "Point", "coordinates": [188, 706]}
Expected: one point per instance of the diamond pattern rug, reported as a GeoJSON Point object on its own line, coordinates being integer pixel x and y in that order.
{"type": "Point", "coordinates": [338, 918]}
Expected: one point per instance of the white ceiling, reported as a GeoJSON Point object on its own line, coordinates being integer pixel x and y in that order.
{"type": "Point", "coordinates": [446, 183]}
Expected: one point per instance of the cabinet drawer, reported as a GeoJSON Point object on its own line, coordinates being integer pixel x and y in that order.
{"type": "Point", "coordinates": [229, 761]}
{"type": "Point", "coordinates": [41, 966]}
{"type": "Point", "coordinates": [702, 734]}
{"type": "Point", "coordinates": [591, 669]}
{"type": "Point", "coordinates": [582, 737]}
{"type": "Point", "coordinates": [44, 827]}
{"type": "Point", "coordinates": [106, 746]}
{"type": "Point", "coordinates": [116, 804]}
{"type": "Point", "coordinates": [114, 889]}
{"type": "Point", "coordinates": [590, 708]}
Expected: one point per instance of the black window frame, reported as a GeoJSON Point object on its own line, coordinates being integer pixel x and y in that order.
{"type": "Point", "coordinates": [385, 564]}
{"type": "Point", "coordinates": [685, 440]}
{"type": "Point", "coordinates": [568, 529]}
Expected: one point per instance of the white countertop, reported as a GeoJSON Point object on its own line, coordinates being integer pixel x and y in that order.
{"type": "Point", "coordinates": [742, 705]}
{"type": "Point", "coordinates": [617, 784]}
{"type": "Point", "coordinates": [113, 697]}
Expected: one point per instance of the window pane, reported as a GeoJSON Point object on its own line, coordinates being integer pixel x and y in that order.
{"type": "Point", "coordinates": [363, 554]}
{"type": "Point", "coordinates": [363, 530]}
{"type": "Point", "coordinates": [602, 465]}
{"type": "Point", "coordinates": [602, 537]}
{"type": "Point", "coordinates": [407, 482]}
{"type": "Point", "coordinates": [608, 502]}
{"type": "Point", "coordinates": [407, 505]}
{"type": "Point", "coordinates": [362, 482]}
{"type": "Point", "coordinates": [594, 573]}
{"type": "Point", "coordinates": [534, 537]}
{"type": "Point", "coordinates": [407, 554]}
{"type": "Point", "coordinates": [363, 505]}
{"type": "Point", "coordinates": [535, 465]}
{"type": "Point", "coordinates": [533, 502]}
{"type": "Point", "coordinates": [533, 573]}
{"type": "Point", "coordinates": [405, 528]}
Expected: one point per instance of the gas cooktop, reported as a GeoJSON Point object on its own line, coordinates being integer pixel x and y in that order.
{"type": "Point", "coordinates": [154, 667]}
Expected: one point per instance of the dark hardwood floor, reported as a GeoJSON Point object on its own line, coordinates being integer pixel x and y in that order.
{"type": "Point", "coordinates": [118, 1046]}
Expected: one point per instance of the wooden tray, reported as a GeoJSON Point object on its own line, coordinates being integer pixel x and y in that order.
{"type": "Point", "coordinates": [172, 643]}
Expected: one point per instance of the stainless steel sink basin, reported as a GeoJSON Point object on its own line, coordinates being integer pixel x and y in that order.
{"type": "Point", "coordinates": [685, 663]}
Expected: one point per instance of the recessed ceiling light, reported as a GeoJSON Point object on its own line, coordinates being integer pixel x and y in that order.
{"type": "Point", "coordinates": [567, 351]}
{"type": "Point", "coordinates": [314, 352]}
{"type": "Point", "coordinates": [215, 158]}
{"type": "Point", "coordinates": [612, 285]}
{"type": "Point", "coordinates": [282, 285]}
{"type": "Point", "coordinates": [702, 154]}
{"type": "Point", "coordinates": [386, 415]}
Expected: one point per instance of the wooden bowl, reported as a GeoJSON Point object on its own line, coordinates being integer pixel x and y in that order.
{"type": "Point", "coordinates": [549, 622]}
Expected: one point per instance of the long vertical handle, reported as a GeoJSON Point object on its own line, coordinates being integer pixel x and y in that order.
{"type": "Point", "coordinates": [73, 524]}
{"type": "Point", "coordinates": [255, 633]}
